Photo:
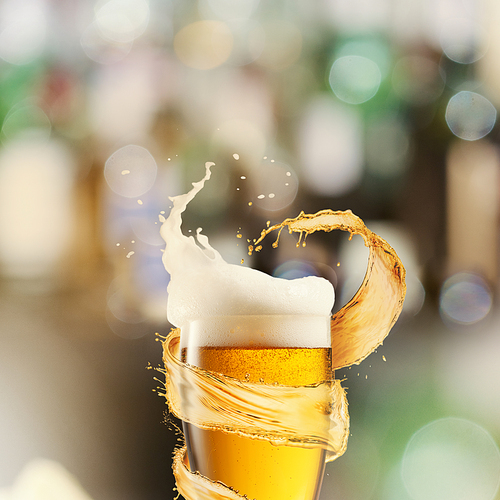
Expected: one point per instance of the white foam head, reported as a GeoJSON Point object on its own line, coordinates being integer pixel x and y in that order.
{"type": "Point", "coordinates": [206, 292]}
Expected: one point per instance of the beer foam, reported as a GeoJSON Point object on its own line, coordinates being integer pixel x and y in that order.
{"type": "Point", "coordinates": [202, 285]}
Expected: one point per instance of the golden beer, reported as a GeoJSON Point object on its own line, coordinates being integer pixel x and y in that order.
{"type": "Point", "coordinates": [253, 467]}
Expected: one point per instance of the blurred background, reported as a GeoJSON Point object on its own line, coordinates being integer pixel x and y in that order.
{"type": "Point", "coordinates": [109, 107]}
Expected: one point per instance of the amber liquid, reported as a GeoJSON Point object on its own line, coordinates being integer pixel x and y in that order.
{"type": "Point", "coordinates": [257, 468]}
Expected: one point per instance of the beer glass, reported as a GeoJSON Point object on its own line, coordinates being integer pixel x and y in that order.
{"type": "Point", "coordinates": [271, 349]}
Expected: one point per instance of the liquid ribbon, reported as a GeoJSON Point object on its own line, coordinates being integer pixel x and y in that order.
{"type": "Point", "coordinates": [274, 412]}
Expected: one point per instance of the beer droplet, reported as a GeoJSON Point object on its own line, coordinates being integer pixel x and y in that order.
{"type": "Point", "coordinates": [139, 201]}
{"type": "Point", "coordinates": [125, 172]}
{"type": "Point", "coordinates": [130, 254]}
{"type": "Point", "coordinates": [236, 156]}
{"type": "Point", "coordinates": [250, 203]}
{"type": "Point", "coordinates": [338, 264]}
{"type": "Point", "coordinates": [239, 236]}
{"type": "Point", "coordinates": [243, 177]}
{"type": "Point", "coordinates": [242, 261]}
{"type": "Point", "coordinates": [261, 196]}
{"type": "Point", "coordinates": [383, 357]}
{"type": "Point", "coordinates": [259, 248]}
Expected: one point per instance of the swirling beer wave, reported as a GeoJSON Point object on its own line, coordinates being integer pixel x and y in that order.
{"type": "Point", "coordinates": [308, 416]}
{"type": "Point", "coordinates": [364, 322]}
{"type": "Point", "coordinates": [282, 414]}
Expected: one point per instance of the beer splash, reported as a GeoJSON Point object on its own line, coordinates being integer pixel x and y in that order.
{"type": "Point", "coordinates": [364, 322]}
{"type": "Point", "coordinates": [276, 413]}
{"type": "Point", "coordinates": [308, 417]}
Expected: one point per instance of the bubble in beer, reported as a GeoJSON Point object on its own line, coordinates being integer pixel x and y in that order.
{"type": "Point", "coordinates": [470, 116]}
{"type": "Point", "coordinates": [141, 165]}
{"type": "Point", "coordinates": [451, 458]}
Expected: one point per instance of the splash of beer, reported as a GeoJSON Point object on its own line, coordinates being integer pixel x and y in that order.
{"type": "Point", "coordinates": [276, 413]}
{"type": "Point", "coordinates": [364, 322]}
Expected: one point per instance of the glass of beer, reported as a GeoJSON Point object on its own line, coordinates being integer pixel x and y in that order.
{"type": "Point", "coordinates": [292, 350]}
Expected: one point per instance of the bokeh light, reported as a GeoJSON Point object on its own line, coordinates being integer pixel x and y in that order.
{"type": "Point", "coordinates": [122, 20]}
{"type": "Point", "coordinates": [102, 50]}
{"type": "Point", "coordinates": [130, 171]}
{"type": "Point", "coordinates": [331, 147]}
{"type": "Point", "coordinates": [470, 116]}
{"type": "Point", "coordinates": [48, 478]}
{"type": "Point", "coordinates": [373, 48]}
{"type": "Point", "coordinates": [23, 30]}
{"type": "Point", "coordinates": [145, 229]}
{"type": "Point", "coordinates": [355, 79]}
{"type": "Point", "coordinates": [26, 117]}
{"type": "Point", "coordinates": [463, 40]}
{"type": "Point", "coordinates": [204, 44]}
{"type": "Point", "coordinates": [36, 209]}
{"type": "Point", "coordinates": [465, 299]}
{"type": "Point", "coordinates": [451, 459]}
